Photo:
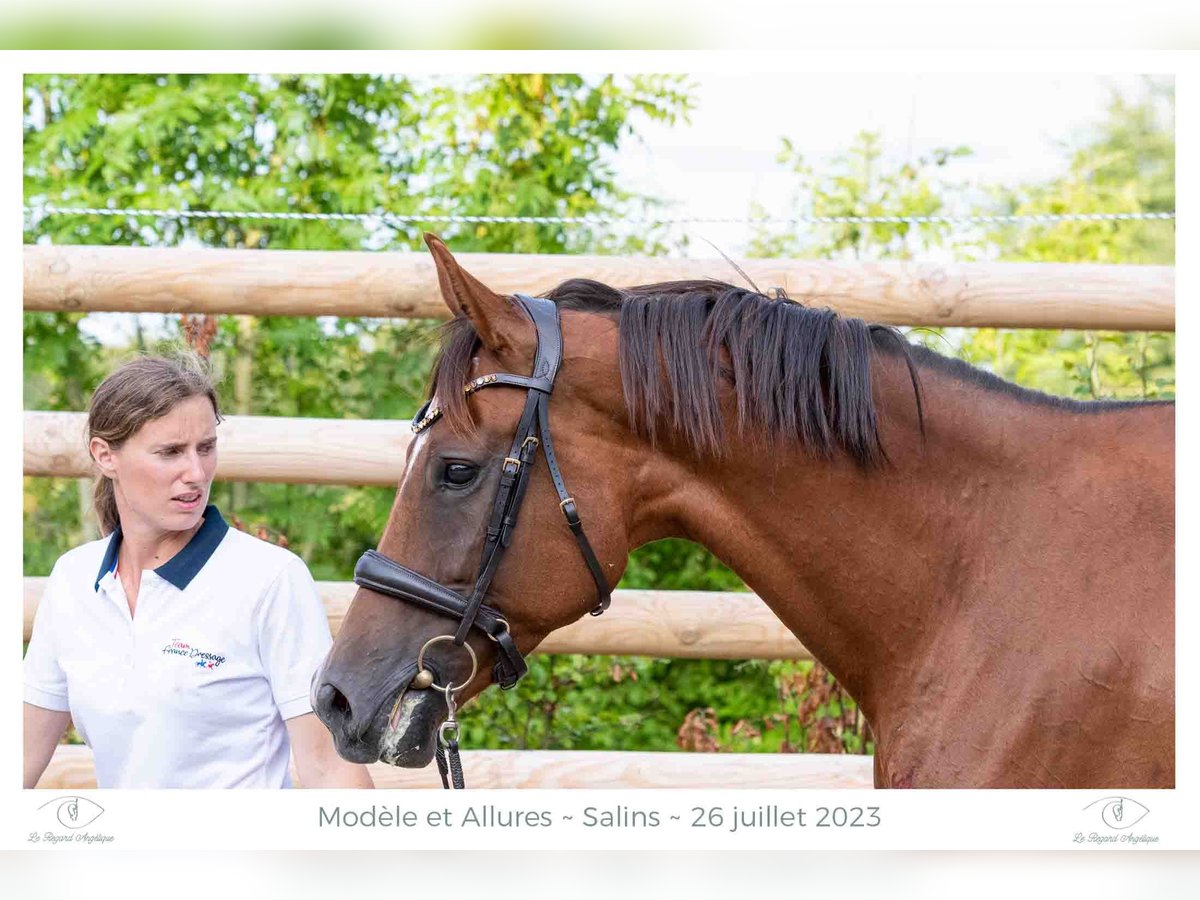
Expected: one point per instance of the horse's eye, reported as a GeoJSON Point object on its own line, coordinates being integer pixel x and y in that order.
{"type": "Point", "coordinates": [459, 474]}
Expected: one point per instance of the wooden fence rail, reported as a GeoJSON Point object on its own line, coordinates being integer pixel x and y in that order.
{"type": "Point", "coordinates": [252, 448]}
{"type": "Point", "coordinates": [346, 283]}
{"type": "Point", "coordinates": [72, 769]}
{"type": "Point", "coordinates": [664, 624]}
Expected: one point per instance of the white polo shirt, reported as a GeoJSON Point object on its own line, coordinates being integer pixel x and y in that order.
{"type": "Point", "coordinates": [193, 690]}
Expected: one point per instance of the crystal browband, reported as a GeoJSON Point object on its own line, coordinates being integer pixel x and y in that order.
{"type": "Point", "coordinates": [432, 412]}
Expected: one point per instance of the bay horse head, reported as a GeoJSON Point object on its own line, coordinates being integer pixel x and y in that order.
{"type": "Point", "coordinates": [465, 482]}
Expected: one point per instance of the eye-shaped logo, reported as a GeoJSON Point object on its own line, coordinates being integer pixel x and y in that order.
{"type": "Point", "coordinates": [1119, 812]}
{"type": "Point", "coordinates": [74, 812]}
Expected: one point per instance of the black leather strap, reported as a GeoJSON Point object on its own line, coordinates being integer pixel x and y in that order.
{"type": "Point", "coordinates": [431, 412]}
{"type": "Point", "coordinates": [549, 335]}
{"type": "Point", "coordinates": [571, 512]}
{"type": "Point", "coordinates": [378, 572]}
{"type": "Point", "coordinates": [385, 576]}
{"type": "Point", "coordinates": [514, 474]}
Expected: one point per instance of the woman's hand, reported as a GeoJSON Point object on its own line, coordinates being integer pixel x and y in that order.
{"type": "Point", "coordinates": [317, 762]}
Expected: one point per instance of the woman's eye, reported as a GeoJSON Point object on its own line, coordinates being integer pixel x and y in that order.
{"type": "Point", "coordinates": [459, 474]}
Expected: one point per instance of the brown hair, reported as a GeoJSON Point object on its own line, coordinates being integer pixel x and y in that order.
{"type": "Point", "coordinates": [139, 391]}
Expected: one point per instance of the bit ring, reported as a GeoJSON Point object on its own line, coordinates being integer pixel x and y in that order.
{"type": "Point", "coordinates": [470, 651]}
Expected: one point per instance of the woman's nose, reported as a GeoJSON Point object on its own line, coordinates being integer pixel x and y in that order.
{"type": "Point", "coordinates": [195, 467]}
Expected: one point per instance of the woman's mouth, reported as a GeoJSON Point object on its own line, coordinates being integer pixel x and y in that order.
{"type": "Point", "coordinates": [187, 502]}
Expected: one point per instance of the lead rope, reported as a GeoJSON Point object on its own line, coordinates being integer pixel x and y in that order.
{"type": "Point", "coordinates": [448, 761]}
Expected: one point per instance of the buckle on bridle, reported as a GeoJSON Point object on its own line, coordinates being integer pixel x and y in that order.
{"type": "Point", "coordinates": [571, 514]}
{"type": "Point", "coordinates": [516, 464]}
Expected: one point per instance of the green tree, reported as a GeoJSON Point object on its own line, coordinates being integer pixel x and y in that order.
{"type": "Point", "coordinates": [1125, 164]}
{"type": "Point", "coordinates": [860, 182]}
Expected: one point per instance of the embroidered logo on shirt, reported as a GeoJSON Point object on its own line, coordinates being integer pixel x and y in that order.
{"type": "Point", "coordinates": [201, 658]}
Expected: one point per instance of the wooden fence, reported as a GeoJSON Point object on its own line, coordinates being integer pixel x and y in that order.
{"type": "Point", "coordinates": [654, 623]}
{"type": "Point", "coordinates": [72, 769]}
{"type": "Point", "coordinates": [253, 448]}
{"type": "Point", "coordinates": [404, 285]}
{"type": "Point", "coordinates": [664, 624]}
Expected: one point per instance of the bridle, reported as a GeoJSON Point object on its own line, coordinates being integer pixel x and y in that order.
{"type": "Point", "coordinates": [386, 576]}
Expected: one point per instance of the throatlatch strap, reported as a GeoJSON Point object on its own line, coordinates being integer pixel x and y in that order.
{"type": "Point", "coordinates": [570, 511]}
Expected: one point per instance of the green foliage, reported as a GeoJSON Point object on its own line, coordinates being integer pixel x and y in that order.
{"type": "Point", "coordinates": [612, 703]}
{"type": "Point", "coordinates": [678, 565]}
{"type": "Point", "coordinates": [1126, 165]}
{"type": "Point", "coordinates": [860, 183]}
{"type": "Point", "coordinates": [530, 145]}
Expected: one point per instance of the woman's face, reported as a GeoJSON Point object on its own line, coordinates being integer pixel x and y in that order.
{"type": "Point", "coordinates": [162, 473]}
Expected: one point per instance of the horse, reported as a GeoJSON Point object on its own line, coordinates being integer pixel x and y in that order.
{"type": "Point", "coordinates": [987, 570]}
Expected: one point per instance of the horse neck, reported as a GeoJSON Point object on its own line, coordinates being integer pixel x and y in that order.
{"type": "Point", "coordinates": [859, 565]}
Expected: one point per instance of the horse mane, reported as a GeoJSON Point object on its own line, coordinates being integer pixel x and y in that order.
{"type": "Point", "coordinates": [799, 374]}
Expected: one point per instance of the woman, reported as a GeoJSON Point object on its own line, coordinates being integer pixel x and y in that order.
{"type": "Point", "coordinates": [181, 648]}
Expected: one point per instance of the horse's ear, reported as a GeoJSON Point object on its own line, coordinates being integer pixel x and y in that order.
{"type": "Point", "coordinates": [501, 324]}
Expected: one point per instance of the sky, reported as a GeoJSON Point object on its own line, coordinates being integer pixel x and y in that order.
{"type": "Point", "coordinates": [1016, 125]}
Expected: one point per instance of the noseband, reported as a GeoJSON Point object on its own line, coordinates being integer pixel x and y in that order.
{"type": "Point", "coordinates": [385, 576]}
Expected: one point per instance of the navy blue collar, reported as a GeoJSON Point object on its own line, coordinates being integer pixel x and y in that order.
{"type": "Point", "coordinates": [181, 568]}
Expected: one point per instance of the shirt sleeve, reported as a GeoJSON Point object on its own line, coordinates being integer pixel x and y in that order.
{"type": "Point", "coordinates": [293, 636]}
{"type": "Point", "coordinates": [45, 680]}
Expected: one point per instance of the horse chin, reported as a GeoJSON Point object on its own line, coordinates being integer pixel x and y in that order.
{"type": "Point", "coordinates": [411, 743]}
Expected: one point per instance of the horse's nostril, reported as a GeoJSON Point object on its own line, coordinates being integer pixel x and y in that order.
{"type": "Point", "coordinates": [333, 702]}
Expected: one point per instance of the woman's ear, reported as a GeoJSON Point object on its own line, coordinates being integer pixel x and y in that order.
{"type": "Point", "coordinates": [103, 457]}
{"type": "Point", "coordinates": [503, 327]}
